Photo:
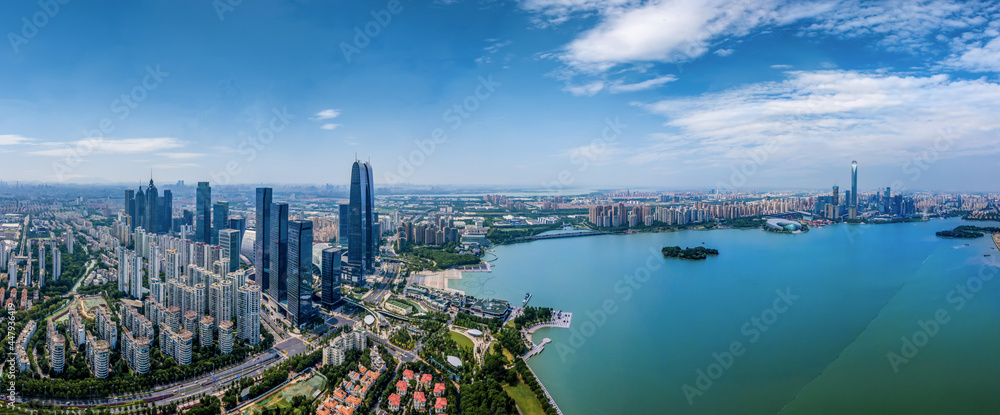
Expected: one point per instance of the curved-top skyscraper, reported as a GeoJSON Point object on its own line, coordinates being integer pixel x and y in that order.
{"type": "Point", "coordinates": [854, 191]}
{"type": "Point", "coordinates": [361, 238]}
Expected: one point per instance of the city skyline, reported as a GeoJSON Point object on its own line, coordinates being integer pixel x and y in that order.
{"type": "Point", "coordinates": [793, 91]}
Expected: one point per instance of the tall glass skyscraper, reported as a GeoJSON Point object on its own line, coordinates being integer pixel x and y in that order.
{"type": "Point", "coordinates": [854, 183]}
{"type": "Point", "coordinates": [262, 243]}
{"type": "Point", "coordinates": [300, 238]}
{"type": "Point", "coordinates": [345, 224]}
{"type": "Point", "coordinates": [139, 218]}
{"type": "Point", "coordinates": [330, 276]}
{"type": "Point", "coordinates": [166, 211]}
{"type": "Point", "coordinates": [130, 206]}
{"type": "Point", "coordinates": [279, 252]}
{"type": "Point", "coordinates": [152, 213]}
{"type": "Point", "coordinates": [229, 240]}
{"type": "Point", "coordinates": [203, 213]}
{"type": "Point", "coordinates": [360, 234]}
{"type": "Point", "coordinates": [220, 219]}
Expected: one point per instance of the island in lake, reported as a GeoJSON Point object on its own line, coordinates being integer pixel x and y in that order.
{"type": "Point", "coordinates": [967, 232]}
{"type": "Point", "coordinates": [698, 252]}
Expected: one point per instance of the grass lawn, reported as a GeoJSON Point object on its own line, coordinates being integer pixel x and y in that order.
{"type": "Point", "coordinates": [507, 354]}
{"type": "Point", "coordinates": [461, 340]}
{"type": "Point", "coordinates": [525, 399]}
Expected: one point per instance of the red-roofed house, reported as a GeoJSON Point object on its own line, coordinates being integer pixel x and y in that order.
{"type": "Point", "coordinates": [353, 401]}
{"type": "Point", "coordinates": [438, 389]}
{"type": "Point", "coordinates": [440, 405]}
{"type": "Point", "coordinates": [419, 402]}
{"type": "Point", "coordinates": [401, 387]}
{"type": "Point", "coordinates": [394, 402]}
{"type": "Point", "coordinates": [408, 374]}
{"type": "Point", "coordinates": [425, 380]}
{"type": "Point", "coordinates": [339, 395]}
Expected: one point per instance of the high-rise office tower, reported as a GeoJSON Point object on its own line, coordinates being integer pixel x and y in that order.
{"type": "Point", "coordinates": [279, 252]}
{"type": "Point", "coordinates": [130, 206]}
{"type": "Point", "coordinates": [854, 183]}
{"type": "Point", "coordinates": [360, 236]}
{"type": "Point", "coordinates": [238, 223]}
{"type": "Point", "coordinates": [166, 211]}
{"type": "Point", "coordinates": [345, 224]}
{"type": "Point", "coordinates": [262, 242]}
{"type": "Point", "coordinates": [854, 191]}
{"type": "Point", "coordinates": [836, 195]}
{"type": "Point", "coordinates": [203, 213]}
{"type": "Point", "coordinates": [887, 201]}
{"type": "Point", "coordinates": [220, 219]}
{"type": "Point", "coordinates": [229, 239]}
{"type": "Point", "coordinates": [330, 276]}
{"type": "Point", "coordinates": [139, 218]}
{"type": "Point", "coordinates": [300, 237]}
{"type": "Point", "coordinates": [152, 213]}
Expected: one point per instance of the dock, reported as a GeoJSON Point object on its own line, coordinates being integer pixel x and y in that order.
{"type": "Point", "coordinates": [538, 348]}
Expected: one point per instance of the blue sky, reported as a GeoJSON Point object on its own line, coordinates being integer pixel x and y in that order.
{"type": "Point", "coordinates": [555, 93]}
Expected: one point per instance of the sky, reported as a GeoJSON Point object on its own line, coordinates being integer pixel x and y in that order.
{"type": "Point", "coordinates": [671, 94]}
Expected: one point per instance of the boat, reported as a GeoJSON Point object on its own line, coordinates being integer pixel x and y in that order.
{"type": "Point", "coordinates": [527, 296]}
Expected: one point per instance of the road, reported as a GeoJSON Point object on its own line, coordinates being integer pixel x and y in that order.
{"type": "Point", "coordinates": [251, 367]}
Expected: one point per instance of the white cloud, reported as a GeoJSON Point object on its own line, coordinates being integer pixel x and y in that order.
{"type": "Point", "coordinates": [674, 30]}
{"type": "Point", "coordinates": [639, 86]}
{"type": "Point", "coordinates": [724, 52]}
{"type": "Point", "coordinates": [182, 156]}
{"type": "Point", "coordinates": [781, 66]}
{"type": "Point", "coordinates": [821, 117]}
{"type": "Point", "coordinates": [586, 89]}
{"type": "Point", "coordinates": [329, 126]}
{"type": "Point", "coordinates": [104, 146]}
{"type": "Point", "coordinates": [978, 57]}
{"type": "Point", "coordinates": [630, 32]}
{"type": "Point", "coordinates": [11, 139]}
{"type": "Point", "coordinates": [326, 114]}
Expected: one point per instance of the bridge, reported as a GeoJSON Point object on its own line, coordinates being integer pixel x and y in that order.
{"type": "Point", "coordinates": [559, 235]}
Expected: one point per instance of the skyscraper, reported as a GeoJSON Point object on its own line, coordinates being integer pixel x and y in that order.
{"type": "Point", "coordinates": [203, 213]}
{"type": "Point", "coordinates": [139, 217]}
{"type": "Point", "coordinates": [854, 191]}
{"type": "Point", "coordinates": [220, 219]}
{"type": "Point", "coordinates": [166, 211]}
{"type": "Point", "coordinates": [330, 276]}
{"type": "Point", "coordinates": [130, 206]}
{"type": "Point", "coordinates": [152, 213]}
{"type": "Point", "coordinates": [361, 238]}
{"type": "Point", "coordinates": [262, 243]}
{"type": "Point", "coordinates": [279, 252]}
{"type": "Point", "coordinates": [300, 237]}
{"type": "Point", "coordinates": [836, 195]}
{"type": "Point", "coordinates": [345, 215]}
{"type": "Point", "coordinates": [229, 239]}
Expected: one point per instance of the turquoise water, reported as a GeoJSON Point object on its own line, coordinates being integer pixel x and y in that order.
{"type": "Point", "coordinates": [644, 327]}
